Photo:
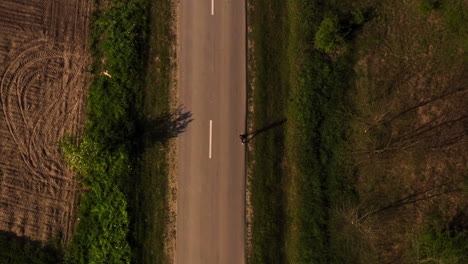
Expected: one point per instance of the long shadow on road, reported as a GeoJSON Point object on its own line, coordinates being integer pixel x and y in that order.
{"type": "Point", "coordinates": [166, 126]}
{"type": "Point", "coordinates": [246, 138]}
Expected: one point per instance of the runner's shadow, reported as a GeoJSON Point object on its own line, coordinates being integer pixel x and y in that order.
{"type": "Point", "coordinates": [246, 138]}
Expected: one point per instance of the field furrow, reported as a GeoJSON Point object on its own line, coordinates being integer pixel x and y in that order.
{"type": "Point", "coordinates": [43, 62]}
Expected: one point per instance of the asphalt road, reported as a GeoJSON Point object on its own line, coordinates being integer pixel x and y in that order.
{"type": "Point", "coordinates": [211, 162]}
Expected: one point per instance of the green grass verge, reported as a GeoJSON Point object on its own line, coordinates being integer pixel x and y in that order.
{"type": "Point", "coordinates": [151, 189]}
{"type": "Point", "coordinates": [318, 178]}
{"type": "Point", "coordinates": [298, 171]}
{"type": "Point", "coordinates": [270, 94]}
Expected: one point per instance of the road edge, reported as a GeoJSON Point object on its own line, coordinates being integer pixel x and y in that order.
{"type": "Point", "coordinates": [249, 125]}
{"type": "Point", "coordinates": [170, 243]}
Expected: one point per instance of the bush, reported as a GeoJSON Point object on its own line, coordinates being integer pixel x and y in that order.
{"type": "Point", "coordinates": [358, 17]}
{"type": "Point", "coordinates": [448, 247]}
{"type": "Point", "coordinates": [455, 16]}
{"type": "Point", "coordinates": [329, 37]}
{"type": "Point", "coordinates": [103, 156]}
{"type": "Point", "coordinates": [427, 6]}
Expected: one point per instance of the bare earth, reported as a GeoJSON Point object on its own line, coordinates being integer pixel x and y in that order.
{"type": "Point", "coordinates": [211, 192]}
{"type": "Point", "coordinates": [42, 87]}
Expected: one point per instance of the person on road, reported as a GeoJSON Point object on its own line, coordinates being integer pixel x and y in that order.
{"type": "Point", "coordinates": [243, 138]}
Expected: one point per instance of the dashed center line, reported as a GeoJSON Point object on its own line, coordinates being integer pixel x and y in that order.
{"type": "Point", "coordinates": [211, 134]}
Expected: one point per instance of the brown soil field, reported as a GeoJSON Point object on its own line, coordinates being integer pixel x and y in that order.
{"type": "Point", "coordinates": [408, 138]}
{"type": "Point", "coordinates": [43, 80]}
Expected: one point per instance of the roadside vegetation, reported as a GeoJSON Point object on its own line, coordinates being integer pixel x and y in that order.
{"type": "Point", "coordinates": [269, 96]}
{"type": "Point", "coordinates": [104, 157]}
{"type": "Point", "coordinates": [369, 166]}
{"type": "Point", "coordinates": [153, 219]}
{"type": "Point", "coordinates": [120, 158]}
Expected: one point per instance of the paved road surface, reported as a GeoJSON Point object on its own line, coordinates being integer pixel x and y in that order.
{"type": "Point", "coordinates": [210, 213]}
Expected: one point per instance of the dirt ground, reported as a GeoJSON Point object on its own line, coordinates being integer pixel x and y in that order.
{"type": "Point", "coordinates": [409, 134]}
{"type": "Point", "coordinates": [43, 63]}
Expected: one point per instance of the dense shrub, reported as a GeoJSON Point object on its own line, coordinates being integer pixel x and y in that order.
{"type": "Point", "coordinates": [450, 247]}
{"type": "Point", "coordinates": [358, 17]}
{"type": "Point", "coordinates": [329, 37]}
{"type": "Point", "coordinates": [103, 157]}
{"type": "Point", "coordinates": [427, 6]}
{"type": "Point", "coordinates": [292, 225]}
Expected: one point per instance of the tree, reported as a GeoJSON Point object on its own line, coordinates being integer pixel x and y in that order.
{"type": "Point", "coordinates": [427, 6]}
{"type": "Point", "coordinates": [329, 37]}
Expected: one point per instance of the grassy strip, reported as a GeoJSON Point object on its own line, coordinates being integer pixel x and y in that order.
{"type": "Point", "coordinates": [291, 203]}
{"type": "Point", "coordinates": [314, 139]}
{"type": "Point", "coordinates": [268, 21]}
{"type": "Point", "coordinates": [150, 204]}
{"type": "Point", "coordinates": [105, 156]}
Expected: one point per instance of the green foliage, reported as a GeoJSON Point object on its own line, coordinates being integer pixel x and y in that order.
{"type": "Point", "coordinates": [426, 6]}
{"type": "Point", "coordinates": [119, 31]}
{"type": "Point", "coordinates": [303, 85]}
{"type": "Point", "coordinates": [318, 109]}
{"type": "Point", "coordinates": [329, 37]}
{"type": "Point", "coordinates": [101, 235]}
{"type": "Point", "coordinates": [16, 250]}
{"type": "Point", "coordinates": [358, 17]}
{"type": "Point", "coordinates": [456, 17]}
{"type": "Point", "coordinates": [102, 158]}
{"type": "Point", "coordinates": [450, 247]}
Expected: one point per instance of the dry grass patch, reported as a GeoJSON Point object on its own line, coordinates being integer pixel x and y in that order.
{"type": "Point", "coordinates": [408, 137]}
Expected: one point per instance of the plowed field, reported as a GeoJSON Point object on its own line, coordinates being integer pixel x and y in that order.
{"type": "Point", "coordinates": [43, 80]}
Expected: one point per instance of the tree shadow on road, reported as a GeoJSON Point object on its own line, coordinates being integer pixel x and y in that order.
{"type": "Point", "coordinates": [166, 126]}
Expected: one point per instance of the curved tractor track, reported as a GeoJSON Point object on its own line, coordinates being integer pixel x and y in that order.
{"type": "Point", "coordinates": [37, 118]}
{"type": "Point", "coordinates": [43, 62]}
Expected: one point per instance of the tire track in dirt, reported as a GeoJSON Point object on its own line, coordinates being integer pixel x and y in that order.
{"type": "Point", "coordinates": [43, 63]}
{"type": "Point", "coordinates": [11, 85]}
{"type": "Point", "coordinates": [31, 131]}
